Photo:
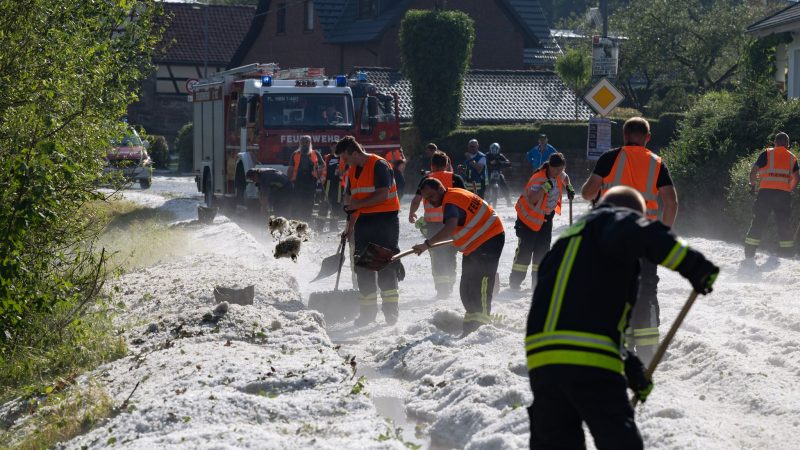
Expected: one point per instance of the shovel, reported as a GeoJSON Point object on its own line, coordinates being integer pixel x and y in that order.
{"type": "Point", "coordinates": [336, 305]}
{"type": "Point", "coordinates": [333, 263]}
{"type": "Point", "coordinates": [376, 258]}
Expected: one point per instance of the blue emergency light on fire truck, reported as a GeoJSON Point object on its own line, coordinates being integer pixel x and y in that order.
{"type": "Point", "coordinates": [253, 117]}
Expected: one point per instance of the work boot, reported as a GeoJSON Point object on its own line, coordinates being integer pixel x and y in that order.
{"type": "Point", "coordinates": [469, 327]}
{"type": "Point", "coordinates": [366, 316]}
{"type": "Point", "coordinates": [391, 312]}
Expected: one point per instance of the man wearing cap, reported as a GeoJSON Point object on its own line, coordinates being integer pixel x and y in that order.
{"type": "Point", "coordinates": [540, 153]}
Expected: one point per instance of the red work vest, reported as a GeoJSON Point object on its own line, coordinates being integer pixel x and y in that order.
{"type": "Point", "coordinates": [777, 173]}
{"type": "Point", "coordinates": [296, 164]}
{"type": "Point", "coordinates": [637, 167]}
{"type": "Point", "coordinates": [534, 216]}
{"type": "Point", "coordinates": [432, 213]}
{"type": "Point", "coordinates": [363, 186]}
{"type": "Point", "coordinates": [481, 223]}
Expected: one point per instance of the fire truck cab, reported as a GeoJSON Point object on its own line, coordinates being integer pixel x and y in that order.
{"type": "Point", "coordinates": [253, 116]}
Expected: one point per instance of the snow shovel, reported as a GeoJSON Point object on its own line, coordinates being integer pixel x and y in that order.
{"type": "Point", "coordinates": [376, 258]}
{"type": "Point", "coordinates": [331, 264]}
{"type": "Point", "coordinates": [667, 340]}
{"type": "Point", "coordinates": [336, 305]}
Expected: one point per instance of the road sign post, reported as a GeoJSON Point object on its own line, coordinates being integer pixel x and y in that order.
{"type": "Point", "coordinates": [598, 139]}
{"type": "Point", "coordinates": [604, 97]}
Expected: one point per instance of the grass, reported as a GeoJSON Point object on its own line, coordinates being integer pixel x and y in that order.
{"type": "Point", "coordinates": [59, 417]}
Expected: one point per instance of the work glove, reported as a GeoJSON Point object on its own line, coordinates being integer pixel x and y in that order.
{"type": "Point", "coordinates": [420, 224]}
{"type": "Point", "coordinates": [570, 191]}
{"type": "Point", "coordinates": [703, 277]}
{"type": "Point", "coordinates": [547, 186]}
{"type": "Point", "coordinates": [636, 375]}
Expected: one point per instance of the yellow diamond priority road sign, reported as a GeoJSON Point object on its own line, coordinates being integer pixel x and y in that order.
{"type": "Point", "coordinates": [604, 97]}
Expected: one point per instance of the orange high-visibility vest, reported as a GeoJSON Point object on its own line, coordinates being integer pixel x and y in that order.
{"type": "Point", "coordinates": [534, 216]}
{"type": "Point", "coordinates": [777, 174]}
{"type": "Point", "coordinates": [363, 186]}
{"type": "Point", "coordinates": [481, 223]}
{"type": "Point", "coordinates": [637, 167]}
{"type": "Point", "coordinates": [432, 213]}
{"type": "Point", "coordinates": [343, 169]}
{"type": "Point", "coordinates": [314, 164]}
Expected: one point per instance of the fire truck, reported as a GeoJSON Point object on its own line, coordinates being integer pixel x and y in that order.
{"type": "Point", "coordinates": [253, 117]}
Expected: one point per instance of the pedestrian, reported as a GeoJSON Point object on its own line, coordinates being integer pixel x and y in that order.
{"type": "Point", "coordinates": [333, 186]}
{"type": "Point", "coordinates": [475, 168]}
{"type": "Point", "coordinates": [478, 233]}
{"type": "Point", "coordinates": [582, 301]}
{"type": "Point", "coordinates": [443, 259]}
{"type": "Point", "coordinates": [495, 163]}
{"type": "Point", "coordinates": [536, 208]}
{"type": "Point", "coordinates": [372, 205]}
{"type": "Point", "coordinates": [398, 160]}
{"type": "Point", "coordinates": [540, 153]}
{"type": "Point", "coordinates": [776, 172]}
{"type": "Point", "coordinates": [305, 171]}
{"type": "Point", "coordinates": [274, 189]}
{"type": "Point", "coordinates": [635, 166]}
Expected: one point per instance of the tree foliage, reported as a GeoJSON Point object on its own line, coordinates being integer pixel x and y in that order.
{"type": "Point", "coordinates": [436, 47]}
{"type": "Point", "coordinates": [68, 70]}
{"type": "Point", "coordinates": [574, 67]}
{"type": "Point", "coordinates": [184, 147]}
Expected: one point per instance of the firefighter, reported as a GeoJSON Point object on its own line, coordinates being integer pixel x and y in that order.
{"type": "Point", "coordinates": [398, 160]}
{"type": "Point", "coordinates": [305, 171]}
{"type": "Point", "coordinates": [581, 304]}
{"type": "Point", "coordinates": [372, 203]}
{"type": "Point", "coordinates": [274, 189]}
{"type": "Point", "coordinates": [635, 166]}
{"type": "Point", "coordinates": [776, 172]}
{"type": "Point", "coordinates": [475, 168]}
{"type": "Point", "coordinates": [333, 187]}
{"type": "Point", "coordinates": [443, 259]}
{"type": "Point", "coordinates": [536, 208]}
{"type": "Point", "coordinates": [478, 233]}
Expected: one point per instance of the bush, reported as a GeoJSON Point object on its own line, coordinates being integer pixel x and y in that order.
{"type": "Point", "coordinates": [436, 47]}
{"type": "Point", "coordinates": [184, 146]}
{"type": "Point", "coordinates": [721, 128]}
{"type": "Point", "coordinates": [159, 151]}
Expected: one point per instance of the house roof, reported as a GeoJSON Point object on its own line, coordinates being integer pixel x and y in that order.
{"type": "Point", "coordinates": [787, 19]}
{"type": "Point", "coordinates": [496, 96]}
{"type": "Point", "coordinates": [349, 28]}
{"type": "Point", "coordinates": [184, 32]}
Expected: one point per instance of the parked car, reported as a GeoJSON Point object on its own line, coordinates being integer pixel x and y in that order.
{"type": "Point", "coordinates": [129, 157]}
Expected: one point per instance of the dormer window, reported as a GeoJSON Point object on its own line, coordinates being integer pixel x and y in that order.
{"type": "Point", "coordinates": [367, 9]}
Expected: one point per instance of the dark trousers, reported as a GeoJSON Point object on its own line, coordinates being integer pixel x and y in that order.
{"type": "Point", "coordinates": [531, 248]}
{"type": "Point", "coordinates": [643, 335]}
{"type": "Point", "coordinates": [770, 201]}
{"type": "Point", "coordinates": [478, 271]}
{"type": "Point", "coordinates": [382, 229]}
{"type": "Point", "coordinates": [501, 183]}
{"type": "Point", "coordinates": [333, 193]}
{"type": "Point", "coordinates": [443, 260]}
{"type": "Point", "coordinates": [566, 396]}
{"type": "Point", "coordinates": [303, 205]}
{"type": "Point", "coordinates": [478, 187]}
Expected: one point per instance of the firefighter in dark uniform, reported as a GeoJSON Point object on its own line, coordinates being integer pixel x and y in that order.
{"type": "Point", "coordinates": [478, 233]}
{"type": "Point", "coordinates": [581, 305]}
{"type": "Point", "coordinates": [443, 259]}
{"type": "Point", "coordinates": [634, 165]}
{"type": "Point", "coordinates": [334, 174]}
{"type": "Point", "coordinates": [536, 208]}
{"type": "Point", "coordinates": [372, 203]}
{"type": "Point", "coordinates": [776, 172]}
{"type": "Point", "coordinates": [305, 171]}
{"type": "Point", "coordinates": [274, 188]}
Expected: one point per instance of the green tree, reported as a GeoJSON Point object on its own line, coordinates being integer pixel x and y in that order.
{"type": "Point", "coordinates": [68, 70]}
{"type": "Point", "coordinates": [436, 47]}
{"type": "Point", "coordinates": [575, 69]}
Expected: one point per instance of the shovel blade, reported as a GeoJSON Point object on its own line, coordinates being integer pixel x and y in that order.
{"type": "Point", "coordinates": [374, 257]}
{"type": "Point", "coordinates": [330, 266]}
{"type": "Point", "coordinates": [336, 306]}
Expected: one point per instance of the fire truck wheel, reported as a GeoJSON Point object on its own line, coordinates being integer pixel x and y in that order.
{"type": "Point", "coordinates": [208, 191]}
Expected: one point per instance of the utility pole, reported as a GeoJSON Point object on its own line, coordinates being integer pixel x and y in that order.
{"type": "Point", "coordinates": [604, 13]}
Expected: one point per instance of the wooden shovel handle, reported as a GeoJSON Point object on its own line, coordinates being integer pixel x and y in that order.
{"type": "Point", "coordinates": [410, 251]}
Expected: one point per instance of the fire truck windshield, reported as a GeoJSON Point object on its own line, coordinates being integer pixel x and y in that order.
{"type": "Point", "coordinates": [307, 110]}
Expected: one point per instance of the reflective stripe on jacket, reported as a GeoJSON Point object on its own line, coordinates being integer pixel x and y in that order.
{"type": "Point", "coordinates": [481, 223]}
{"type": "Point", "coordinates": [432, 213]}
{"type": "Point", "coordinates": [637, 167]}
{"type": "Point", "coordinates": [777, 173]}
{"type": "Point", "coordinates": [534, 216]}
{"type": "Point", "coordinates": [363, 186]}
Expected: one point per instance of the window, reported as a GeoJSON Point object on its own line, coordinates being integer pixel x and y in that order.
{"type": "Point", "coordinates": [308, 15]}
{"type": "Point", "coordinates": [280, 16]}
{"type": "Point", "coordinates": [303, 111]}
{"type": "Point", "coordinates": [367, 9]}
